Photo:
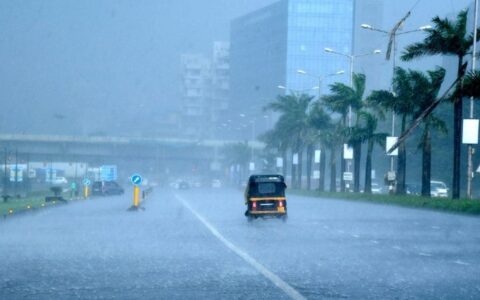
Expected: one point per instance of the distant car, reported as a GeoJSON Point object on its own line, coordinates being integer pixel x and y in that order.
{"type": "Point", "coordinates": [59, 180]}
{"type": "Point", "coordinates": [216, 183]}
{"type": "Point", "coordinates": [183, 185]}
{"type": "Point", "coordinates": [438, 189]}
{"type": "Point", "coordinates": [377, 189]}
{"type": "Point", "coordinates": [105, 188]}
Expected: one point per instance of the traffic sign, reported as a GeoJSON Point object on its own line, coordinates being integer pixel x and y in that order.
{"type": "Point", "coordinates": [347, 176]}
{"type": "Point", "coordinates": [86, 181]}
{"type": "Point", "coordinates": [108, 173]}
{"type": "Point", "coordinates": [136, 179]}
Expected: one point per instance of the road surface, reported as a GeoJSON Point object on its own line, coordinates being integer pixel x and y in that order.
{"type": "Point", "coordinates": [198, 244]}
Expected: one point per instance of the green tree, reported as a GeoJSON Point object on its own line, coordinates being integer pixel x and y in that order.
{"type": "Point", "coordinates": [341, 99]}
{"type": "Point", "coordinates": [428, 86]}
{"type": "Point", "coordinates": [400, 102]}
{"type": "Point", "coordinates": [448, 37]}
{"type": "Point", "coordinates": [293, 122]}
{"type": "Point", "coordinates": [320, 123]}
{"type": "Point", "coordinates": [368, 123]}
{"type": "Point", "coordinates": [237, 154]}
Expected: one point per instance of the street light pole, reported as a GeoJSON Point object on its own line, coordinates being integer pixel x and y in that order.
{"type": "Point", "coordinates": [351, 58]}
{"type": "Point", "coordinates": [320, 81]}
{"type": "Point", "coordinates": [393, 33]}
{"type": "Point", "coordinates": [474, 62]}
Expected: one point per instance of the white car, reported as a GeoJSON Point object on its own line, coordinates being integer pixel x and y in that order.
{"type": "Point", "coordinates": [377, 189]}
{"type": "Point", "coordinates": [438, 189]}
{"type": "Point", "coordinates": [58, 180]}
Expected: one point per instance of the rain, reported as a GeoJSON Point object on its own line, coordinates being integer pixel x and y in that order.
{"type": "Point", "coordinates": [254, 149]}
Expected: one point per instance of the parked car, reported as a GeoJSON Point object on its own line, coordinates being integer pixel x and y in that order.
{"type": "Point", "coordinates": [438, 189]}
{"type": "Point", "coordinates": [377, 188]}
{"type": "Point", "coordinates": [105, 188]}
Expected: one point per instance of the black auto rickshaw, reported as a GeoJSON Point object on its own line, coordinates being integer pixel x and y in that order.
{"type": "Point", "coordinates": [265, 196]}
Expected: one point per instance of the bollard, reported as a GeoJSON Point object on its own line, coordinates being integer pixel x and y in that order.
{"type": "Point", "coordinates": [136, 194]}
{"type": "Point", "coordinates": [85, 192]}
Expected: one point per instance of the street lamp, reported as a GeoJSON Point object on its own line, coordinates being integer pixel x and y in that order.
{"type": "Point", "coordinates": [320, 78]}
{"type": "Point", "coordinates": [282, 87]}
{"type": "Point", "coordinates": [392, 48]}
{"type": "Point", "coordinates": [351, 58]}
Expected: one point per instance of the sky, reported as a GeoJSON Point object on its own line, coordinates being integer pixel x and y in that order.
{"type": "Point", "coordinates": [111, 66]}
{"type": "Point", "coordinates": [69, 66]}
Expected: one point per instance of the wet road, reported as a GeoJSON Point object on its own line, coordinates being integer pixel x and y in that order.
{"type": "Point", "coordinates": [197, 244]}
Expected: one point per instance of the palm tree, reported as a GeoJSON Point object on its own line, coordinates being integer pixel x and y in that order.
{"type": "Point", "coordinates": [237, 155]}
{"type": "Point", "coordinates": [448, 37]}
{"type": "Point", "coordinates": [428, 87]}
{"type": "Point", "coordinates": [400, 101]}
{"type": "Point", "coordinates": [369, 126]}
{"type": "Point", "coordinates": [292, 122]}
{"type": "Point", "coordinates": [342, 98]}
{"type": "Point", "coordinates": [320, 122]}
{"type": "Point", "coordinates": [277, 140]}
{"type": "Point", "coordinates": [471, 84]}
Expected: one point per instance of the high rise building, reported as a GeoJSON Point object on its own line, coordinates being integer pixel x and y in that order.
{"type": "Point", "coordinates": [270, 45]}
{"type": "Point", "coordinates": [195, 93]}
{"type": "Point", "coordinates": [205, 90]}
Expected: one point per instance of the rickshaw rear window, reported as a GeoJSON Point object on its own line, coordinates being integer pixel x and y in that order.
{"type": "Point", "coordinates": [266, 188]}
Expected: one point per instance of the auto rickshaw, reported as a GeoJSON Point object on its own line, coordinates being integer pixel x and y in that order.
{"type": "Point", "coordinates": [265, 197]}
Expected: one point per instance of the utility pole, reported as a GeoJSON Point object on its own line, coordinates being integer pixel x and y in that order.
{"type": "Point", "coordinates": [470, 147]}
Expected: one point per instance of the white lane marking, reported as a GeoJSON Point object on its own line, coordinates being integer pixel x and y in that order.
{"type": "Point", "coordinates": [424, 254]}
{"type": "Point", "coordinates": [374, 241]}
{"type": "Point", "coordinates": [285, 287]}
{"type": "Point", "coordinates": [355, 236]}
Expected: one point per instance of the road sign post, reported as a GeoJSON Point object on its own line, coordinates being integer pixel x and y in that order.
{"type": "Point", "coordinates": [86, 187]}
{"type": "Point", "coordinates": [136, 181]}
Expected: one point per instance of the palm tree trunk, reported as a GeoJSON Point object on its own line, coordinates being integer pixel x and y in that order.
{"type": "Point", "coordinates": [300, 168]}
{"type": "Point", "coordinates": [426, 161]}
{"type": "Point", "coordinates": [321, 180]}
{"type": "Point", "coordinates": [284, 166]}
{"type": "Point", "coordinates": [293, 172]}
{"type": "Point", "coordinates": [333, 171]}
{"type": "Point", "coordinates": [342, 161]}
{"type": "Point", "coordinates": [402, 162]}
{"type": "Point", "coordinates": [309, 166]}
{"type": "Point", "coordinates": [368, 168]}
{"type": "Point", "coordinates": [356, 166]}
{"type": "Point", "coordinates": [457, 134]}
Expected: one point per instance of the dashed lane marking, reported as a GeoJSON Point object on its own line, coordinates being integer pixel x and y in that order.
{"type": "Point", "coordinates": [285, 287]}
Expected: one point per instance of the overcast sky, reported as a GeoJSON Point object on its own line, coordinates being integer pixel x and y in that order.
{"type": "Point", "coordinates": [84, 60]}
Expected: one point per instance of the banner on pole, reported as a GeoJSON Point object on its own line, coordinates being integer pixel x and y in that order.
{"type": "Point", "coordinates": [317, 156]}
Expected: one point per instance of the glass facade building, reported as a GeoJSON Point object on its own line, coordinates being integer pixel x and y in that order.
{"type": "Point", "coordinates": [270, 45]}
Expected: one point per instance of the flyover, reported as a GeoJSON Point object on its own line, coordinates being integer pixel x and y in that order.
{"type": "Point", "coordinates": [118, 149]}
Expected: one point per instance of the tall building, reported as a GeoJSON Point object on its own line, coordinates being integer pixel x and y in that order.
{"type": "Point", "coordinates": [220, 85]}
{"type": "Point", "coordinates": [205, 91]}
{"type": "Point", "coordinates": [270, 45]}
{"type": "Point", "coordinates": [195, 93]}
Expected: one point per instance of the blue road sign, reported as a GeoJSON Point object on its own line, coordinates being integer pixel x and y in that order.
{"type": "Point", "coordinates": [86, 181]}
{"type": "Point", "coordinates": [136, 179]}
{"type": "Point", "coordinates": [108, 173]}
